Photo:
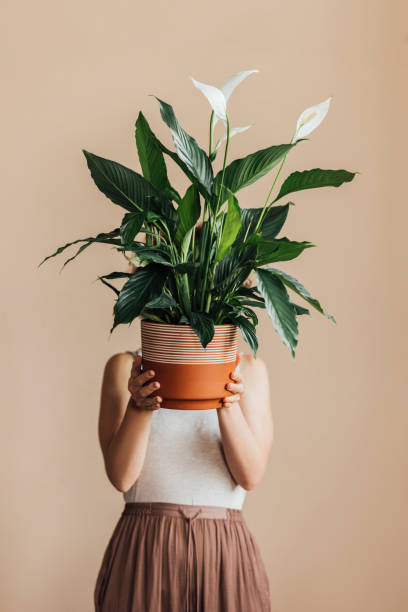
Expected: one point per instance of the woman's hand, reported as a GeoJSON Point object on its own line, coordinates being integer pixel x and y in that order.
{"type": "Point", "coordinates": [140, 390]}
{"type": "Point", "coordinates": [236, 387]}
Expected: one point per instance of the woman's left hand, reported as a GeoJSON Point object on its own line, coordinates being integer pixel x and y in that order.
{"type": "Point", "coordinates": [237, 386]}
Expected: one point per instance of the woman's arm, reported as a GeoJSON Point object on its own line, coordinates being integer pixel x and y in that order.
{"type": "Point", "coordinates": [123, 430]}
{"type": "Point", "coordinates": [246, 423]}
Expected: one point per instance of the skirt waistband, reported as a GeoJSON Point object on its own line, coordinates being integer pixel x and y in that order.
{"type": "Point", "coordinates": [187, 511]}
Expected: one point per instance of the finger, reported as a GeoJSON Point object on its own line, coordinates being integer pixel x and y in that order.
{"type": "Point", "coordinates": [235, 388]}
{"type": "Point", "coordinates": [152, 402]}
{"type": "Point", "coordinates": [142, 378]}
{"type": "Point", "coordinates": [148, 389]}
{"type": "Point", "coordinates": [232, 399]}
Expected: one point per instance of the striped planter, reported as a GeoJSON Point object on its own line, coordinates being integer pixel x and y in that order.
{"type": "Point", "coordinates": [191, 377]}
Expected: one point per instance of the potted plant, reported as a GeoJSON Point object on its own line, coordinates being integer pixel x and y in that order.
{"type": "Point", "coordinates": [201, 246]}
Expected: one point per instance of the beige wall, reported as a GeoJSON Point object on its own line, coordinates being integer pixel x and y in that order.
{"type": "Point", "coordinates": [330, 514]}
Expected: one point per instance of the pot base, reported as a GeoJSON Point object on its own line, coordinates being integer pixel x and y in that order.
{"type": "Point", "coordinates": [204, 404]}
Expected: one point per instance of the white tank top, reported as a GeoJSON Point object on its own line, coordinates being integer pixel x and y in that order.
{"type": "Point", "coordinates": [184, 462]}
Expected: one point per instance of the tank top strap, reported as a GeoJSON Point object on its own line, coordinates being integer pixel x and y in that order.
{"type": "Point", "coordinates": [134, 353]}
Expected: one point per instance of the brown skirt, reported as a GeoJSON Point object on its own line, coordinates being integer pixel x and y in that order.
{"type": "Point", "coordinates": [165, 557]}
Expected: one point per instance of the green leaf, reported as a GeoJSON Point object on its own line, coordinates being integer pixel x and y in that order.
{"type": "Point", "coordinates": [279, 249]}
{"type": "Point", "coordinates": [186, 267]}
{"type": "Point", "coordinates": [113, 275]}
{"type": "Point", "coordinates": [279, 307]}
{"type": "Point", "coordinates": [158, 254]}
{"type": "Point", "coordinates": [151, 158]}
{"type": "Point", "coordinates": [243, 172]}
{"type": "Point", "coordinates": [272, 222]}
{"type": "Point", "coordinates": [203, 326]}
{"type": "Point", "coordinates": [188, 211]}
{"type": "Point", "coordinates": [188, 150]}
{"type": "Point", "coordinates": [300, 310]}
{"type": "Point", "coordinates": [104, 237]}
{"type": "Point", "coordinates": [248, 332]}
{"type": "Point", "coordinates": [232, 225]}
{"type": "Point", "coordinates": [234, 269]}
{"type": "Point", "coordinates": [127, 188]}
{"type": "Point", "coordinates": [163, 301]}
{"type": "Point", "coordinates": [255, 303]}
{"type": "Point", "coordinates": [142, 287]}
{"type": "Point", "coordinates": [130, 227]}
{"type": "Point", "coordinates": [309, 179]}
{"type": "Point", "coordinates": [298, 288]}
{"type": "Point", "coordinates": [250, 314]}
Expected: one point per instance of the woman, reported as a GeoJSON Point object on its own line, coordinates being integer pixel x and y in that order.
{"type": "Point", "coordinates": [182, 543]}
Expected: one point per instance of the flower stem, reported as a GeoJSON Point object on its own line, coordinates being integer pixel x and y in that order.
{"type": "Point", "coordinates": [265, 206]}
{"type": "Point", "coordinates": [211, 134]}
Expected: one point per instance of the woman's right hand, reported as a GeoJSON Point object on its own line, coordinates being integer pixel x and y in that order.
{"type": "Point", "coordinates": [140, 389]}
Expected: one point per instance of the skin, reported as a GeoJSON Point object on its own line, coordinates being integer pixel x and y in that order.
{"type": "Point", "coordinates": [126, 409]}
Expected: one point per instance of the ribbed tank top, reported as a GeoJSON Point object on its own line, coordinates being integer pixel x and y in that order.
{"type": "Point", "coordinates": [184, 461]}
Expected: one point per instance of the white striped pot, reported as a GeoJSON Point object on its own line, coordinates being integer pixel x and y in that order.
{"type": "Point", "coordinates": [191, 377]}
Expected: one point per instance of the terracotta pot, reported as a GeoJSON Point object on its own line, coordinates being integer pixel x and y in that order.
{"type": "Point", "coordinates": [191, 377]}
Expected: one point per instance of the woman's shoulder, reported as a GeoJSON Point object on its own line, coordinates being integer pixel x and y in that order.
{"type": "Point", "coordinates": [120, 360]}
{"type": "Point", "coordinates": [248, 361]}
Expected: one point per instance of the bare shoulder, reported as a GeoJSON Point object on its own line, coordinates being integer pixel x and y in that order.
{"type": "Point", "coordinates": [119, 360]}
{"type": "Point", "coordinates": [117, 371]}
{"type": "Point", "coordinates": [253, 365]}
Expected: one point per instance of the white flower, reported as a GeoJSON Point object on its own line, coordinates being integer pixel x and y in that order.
{"type": "Point", "coordinates": [311, 118]}
{"type": "Point", "coordinates": [218, 97]}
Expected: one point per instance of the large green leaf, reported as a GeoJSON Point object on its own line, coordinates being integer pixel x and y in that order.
{"type": "Point", "coordinates": [163, 301]}
{"type": "Point", "coordinates": [188, 212]}
{"type": "Point", "coordinates": [127, 188]}
{"type": "Point", "coordinates": [279, 307]}
{"type": "Point", "coordinates": [243, 172]}
{"type": "Point", "coordinates": [203, 326]}
{"type": "Point", "coordinates": [248, 332]}
{"type": "Point", "coordinates": [130, 226]}
{"type": "Point", "coordinates": [143, 286]}
{"type": "Point", "coordinates": [279, 249]}
{"type": "Point", "coordinates": [231, 227]}
{"type": "Point", "coordinates": [151, 158]}
{"type": "Point", "coordinates": [272, 222]}
{"type": "Point", "coordinates": [298, 288]}
{"type": "Point", "coordinates": [188, 150]}
{"type": "Point", "coordinates": [310, 179]}
{"type": "Point", "coordinates": [234, 269]}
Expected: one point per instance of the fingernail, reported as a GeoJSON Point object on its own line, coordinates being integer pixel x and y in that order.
{"type": "Point", "coordinates": [151, 373]}
{"type": "Point", "coordinates": [157, 384]}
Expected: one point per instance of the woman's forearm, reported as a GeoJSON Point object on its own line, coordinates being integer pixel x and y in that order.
{"type": "Point", "coordinates": [127, 450]}
{"type": "Point", "coordinates": [240, 447]}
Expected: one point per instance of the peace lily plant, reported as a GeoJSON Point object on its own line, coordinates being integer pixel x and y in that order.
{"type": "Point", "coordinates": [186, 276]}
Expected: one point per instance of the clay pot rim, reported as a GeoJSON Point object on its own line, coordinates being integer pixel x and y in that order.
{"type": "Point", "coordinates": [216, 325]}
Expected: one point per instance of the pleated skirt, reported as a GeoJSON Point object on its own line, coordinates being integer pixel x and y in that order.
{"type": "Point", "coordinates": [165, 557]}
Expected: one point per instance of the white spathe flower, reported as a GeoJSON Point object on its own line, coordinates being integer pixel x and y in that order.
{"type": "Point", "coordinates": [311, 118]}
{"type": "Point", "coordinates": [218, 97]}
